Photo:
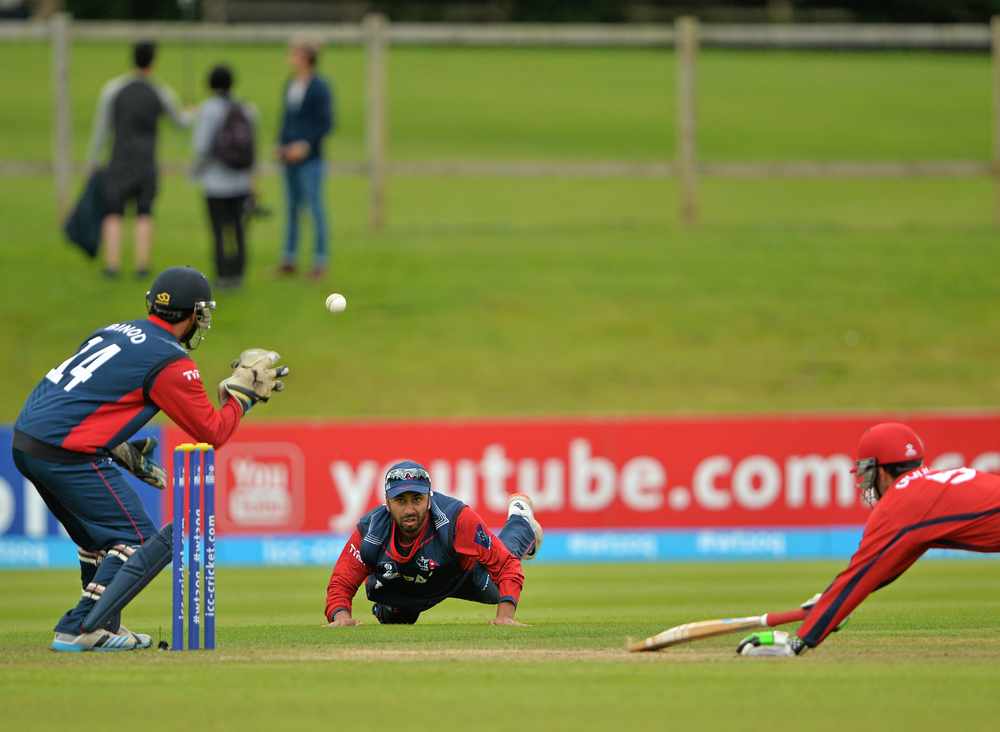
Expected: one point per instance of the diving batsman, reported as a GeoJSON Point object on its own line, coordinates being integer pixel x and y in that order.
{"type": "Point", "coordinates": [915, 508]}
{"type": "Point", "coordinates": [73, 437]}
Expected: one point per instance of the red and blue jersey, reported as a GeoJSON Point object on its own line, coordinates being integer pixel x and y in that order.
{"type": "Point", "coordinates": [923, 509]}
{"type": "Point", "coordinates": [453, 544]}
{"type": "Point", "coordinates": [115, 382]}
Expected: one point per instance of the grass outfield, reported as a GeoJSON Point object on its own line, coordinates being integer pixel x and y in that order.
{"type": "Point", "coordinates": [510, 297]}
{"type": "Point", "coordinates": [920, 655]}
{"type": "Point", "coordinates": [541, 297]}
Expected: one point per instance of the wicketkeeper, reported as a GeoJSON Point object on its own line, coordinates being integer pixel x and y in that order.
{"type": "Point", "coordinates": [915, 509]}
{"type": "Point", "coordinates": [73, 436]}
{"type": "Point", "coordinates": [421, 547]}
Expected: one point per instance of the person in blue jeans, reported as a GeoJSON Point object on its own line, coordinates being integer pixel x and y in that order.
{"type": "Point", "coordinates": [307, 117]}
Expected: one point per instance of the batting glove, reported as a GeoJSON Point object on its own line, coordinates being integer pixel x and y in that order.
{"type": "Point", "coordinates": [771, 643]}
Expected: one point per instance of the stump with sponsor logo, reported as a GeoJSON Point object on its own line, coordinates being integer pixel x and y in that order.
{"type": "Point", "coordinates": [194, 477]}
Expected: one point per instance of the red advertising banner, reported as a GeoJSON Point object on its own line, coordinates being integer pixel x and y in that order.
{"type": "Point", "coordinates": [299, 478]}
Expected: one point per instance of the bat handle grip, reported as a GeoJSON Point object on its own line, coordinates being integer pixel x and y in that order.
{"type": "Point", "coordinates": [772, 620]}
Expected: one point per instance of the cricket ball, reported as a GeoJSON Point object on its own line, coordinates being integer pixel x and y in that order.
{"type": "Point", "coordinates": [336, 303]}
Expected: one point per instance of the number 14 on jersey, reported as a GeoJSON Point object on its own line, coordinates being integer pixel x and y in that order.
{"type": "Point", "coordinates": [85, 368]}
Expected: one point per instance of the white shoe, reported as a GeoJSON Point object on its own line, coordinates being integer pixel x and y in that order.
{"type": "Point", "coordinates": [142, 640]}
{"type": "Point", "coordinates": [99, 640]}
{"type": "Point", "coordinates": [520, 505]}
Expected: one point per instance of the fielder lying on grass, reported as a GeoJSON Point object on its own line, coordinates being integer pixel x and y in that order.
{"type": "Point", "coordinates": [421, 548]}
{"type": "Point", "coordinates": [915, 509]}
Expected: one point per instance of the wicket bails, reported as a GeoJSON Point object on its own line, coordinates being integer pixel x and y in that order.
{"type": "Point", "coordinates": [194, 477]}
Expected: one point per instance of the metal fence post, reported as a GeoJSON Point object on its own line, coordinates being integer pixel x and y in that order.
{"type": "Point", "coordinates": [687, 154]}
{"type": "Point", "coordinates": [62, 150]}
{"type": "Point", "coordinates": [375, 45]}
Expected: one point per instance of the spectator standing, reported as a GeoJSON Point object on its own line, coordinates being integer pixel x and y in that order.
{"type": "Point", "coordinates": [223, 165]}
{"type": "Point", "coordinates": [307, 117]}
{"type": "Point", "coordinates": [128, 111]}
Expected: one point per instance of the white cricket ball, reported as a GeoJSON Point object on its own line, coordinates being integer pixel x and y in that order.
{"type": "Point", "coordinates": [336, 303]}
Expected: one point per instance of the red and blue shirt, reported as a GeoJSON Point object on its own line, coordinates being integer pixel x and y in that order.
{"type": "Point", "coordinates": [115, 382]}
{"type": "Point", "coordinates": [453, 543]}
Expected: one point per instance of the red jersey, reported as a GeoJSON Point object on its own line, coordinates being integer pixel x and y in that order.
{"type": "Point", "coordinates": [923, 509]}
{"type": "Point", "coordinates": [504, 568]}
{"type": "Point", "coordinates": [180, 393]}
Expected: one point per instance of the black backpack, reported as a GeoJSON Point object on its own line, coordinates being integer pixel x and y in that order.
{"type": "Point", "coordinates": [234, 144]}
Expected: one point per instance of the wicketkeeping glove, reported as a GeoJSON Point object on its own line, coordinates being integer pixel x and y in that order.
{"type": "Point", "coordinates": [254, 378]}
{"type": "Point", "coordinates": [771, 643]}
{"type": "Point", "coordinates": [136, 457]}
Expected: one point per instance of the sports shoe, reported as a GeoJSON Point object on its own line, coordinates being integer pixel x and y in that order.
{"type": "Point", "coordinates": [142, 640]}
{"type": "Point", "coordinates": [99, 640]}
{"type": "Point", "coordinates": [520, 505]}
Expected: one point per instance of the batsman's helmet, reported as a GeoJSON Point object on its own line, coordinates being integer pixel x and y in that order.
{"type": "Point", "coordinates": [890, 445]}
{"type": "Point", "coordinates": [176, 293]}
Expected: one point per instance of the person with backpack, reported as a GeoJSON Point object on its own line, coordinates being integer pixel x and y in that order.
{"type": "Point", "coordinates": [224, 149]}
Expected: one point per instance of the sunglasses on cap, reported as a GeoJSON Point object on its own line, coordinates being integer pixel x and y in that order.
{"type": "Point", "coordinates": [406, 475]}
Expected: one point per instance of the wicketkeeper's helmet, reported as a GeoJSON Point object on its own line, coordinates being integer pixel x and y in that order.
{"type": "Point", "coordinates": [176, 293]}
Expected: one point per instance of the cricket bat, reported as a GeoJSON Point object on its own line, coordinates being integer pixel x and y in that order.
{"type": "Point", "coordinates": [708, 628]}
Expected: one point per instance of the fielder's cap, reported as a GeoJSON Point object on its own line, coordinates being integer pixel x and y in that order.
{"type": "Point", "coordinates": [890, 442]}
{"type": "Point", "coordinates": [407, 477]}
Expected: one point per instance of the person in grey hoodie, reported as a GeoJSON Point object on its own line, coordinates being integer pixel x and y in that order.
{"type": "Point", "coordinates": [128, 111]}
{"type": "Point", "coordinates": [227, 189]}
